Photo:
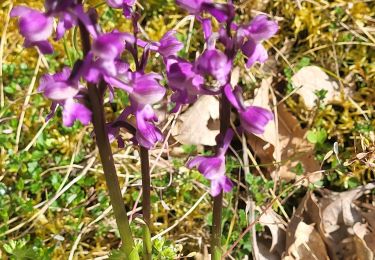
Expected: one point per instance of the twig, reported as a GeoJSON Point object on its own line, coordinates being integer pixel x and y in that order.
{"type": "Point", "coordinates": [26, 102]}
{"type": "Point", "coordinates": [180, 219]}
{"type": "Point", "coordinates": [2, 44]}
{"type": "Point", "coordinates": [33, 141]}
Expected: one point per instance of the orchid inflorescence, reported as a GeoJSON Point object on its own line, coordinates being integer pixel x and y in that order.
{"type": "Point", "coordinates": [187, 80]}
{"type": "Point", "coordinates": [104, 67]}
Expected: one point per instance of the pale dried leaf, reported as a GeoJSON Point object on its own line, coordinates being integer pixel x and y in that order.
{"type": "Point", "coordinates": [199, 125]}
{"type": "Point", "coordinates": [307, 243]}
{"type": "Point", "coordinates": [289, 139]}
{"type": "Point", "coordinates": [364, 252]}
{"type": "Point", "coordinates": [310, 79]}
{"type": "Point", "coordinates": [274, 223]}
{"type": "Point", "coordinates": [338, 209]}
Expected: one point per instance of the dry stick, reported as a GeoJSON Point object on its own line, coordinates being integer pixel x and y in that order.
{"type": "Point", "coordinates": [36, 136]}
{"type": "Point", "coordinates": [2, 44]}
{"type": "Point", "coordinates": [182, 218]}
{"type": "Point", "coordinates": [106, 156]}
{"type": "Point", "coordinates": [26, 102]}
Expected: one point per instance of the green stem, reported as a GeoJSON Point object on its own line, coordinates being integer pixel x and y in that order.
{"type": "Point", "coordinates": [98, 120]}
{"type": "Point", "coordinates": [218, 200]}
{"type": "Point", "coordinates": [146, 186]}
{"type": "Point", "coordinates": [146, 198]}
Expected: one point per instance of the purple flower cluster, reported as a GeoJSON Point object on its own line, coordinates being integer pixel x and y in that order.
{"type": "Point", "coordinates": [210, 75]}
{"type": "Point", "coordinates": [103, 63]}
{"type": "Point", "coordinates": [105, 68]}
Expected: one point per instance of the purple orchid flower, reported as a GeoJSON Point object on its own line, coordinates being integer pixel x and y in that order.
{"type": "Point", "coordinates": [145, 91]}
{"type": "Point", "coordinates": [168, 46]}
{"type": "Point", "coordinates": [260, 29]}
{"type": "Point", "coordinates": [253, 119]}
{"type": "Point", "coordinates": [213, 167]}
{"type": "Point", "coordinates": [186, 84]}
{"type": "Point", "coordinates": [67, 11]}
{"type": "Point", "coordinates": [222, 12]}
{"type": "Point", "coordinates": [126, 6]}
{"type": "Point", "coordinates": [103, 59]}
{"type": "Point", "coordinates": [192, 6]}
{"type": "Point", "coordinates": [35, 27]}
{"type": "Point", "coordinates": [214, 63]}
{"type": "Point", "coordinates": [147, 134]}
{"type": "Point", "coordinates": [64, 91]}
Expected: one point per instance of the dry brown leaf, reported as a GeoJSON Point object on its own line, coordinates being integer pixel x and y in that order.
{"type": "Point", "coordinates": [336, 219]}
{"type": "Point", "coordinates": [310, 79]}
{"type": "Point", "coordinates": [270, 248]}
{"type": "Point", "coordinates": [307, 244]}
{"type": "Point", "coordinates": [287, 143]}
{"type": "Point", "coordinates": [360, 231]}
{"type": "Point", "coordinates": [199, 125]}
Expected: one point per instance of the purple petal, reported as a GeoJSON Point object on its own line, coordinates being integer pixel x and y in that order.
{"type": "Point", "coordinates": [212, 167]}
{"type": "Point", "coordinates": [169, 45]}
{"type": "Point", "coordinates": [222, 12]}
{"type": "Point", "coordinates": [35, 26]}
{"type": "Point", "coordinates": [226, 184]}
{"type": "Point", "coordinates": [109, 46]}
{"type": "Point", "coordinates": [45, 47]}
{"type": "Point", "coordinates": [261, 28]}
{"type": "Point", "coordinates": [215, 188]}
{"type": "Point", "coordinates": [115, 3]}
{"type": "Point", "coordinates": [147, 134]}
{"type": "Point", "coordinates": [215, 63]}
{"type": "Point", "coordinates": [231, 97]}
{"type": "Point", "coordinates": [254, 119]}
{"type": "Point", "coordinates": [66, 22]}
{"type": "Point", "coordinates": [147, 89]}
{"type": "Point", "coordinates": [75, 111]}
{"type": "Point", "coordinates": [192, 6]}
{"type": "Point", "coordinates": [60, 91]}
{"type": "Point", "coordinates": [226, 142]}
{"type": "Point", "coordinates": [195, 161]}
{"type": "Point", "coordinates": [254, 52]}
{"type": "Point", "coordinates": [207, 28]}
{"type": "Point", "coordinates": [20, 11]}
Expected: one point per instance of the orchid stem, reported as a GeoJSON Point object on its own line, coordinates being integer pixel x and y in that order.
{"type": "Point", "coordinates": [146, 195]}
{"type": "Point", "coordinates": [216, 251]}
{"type": "Point", "coordinates": [146, 186]}
{"type": "Point", "coordinates": [98, 120]}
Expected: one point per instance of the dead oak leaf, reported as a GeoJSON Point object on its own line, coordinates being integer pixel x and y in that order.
{"type": "Point", "coordinates": [199, 124]}
{"type": "Point", "coordinates": [287, 143]}
{"type": "Point", "coordinates": [311, 79]}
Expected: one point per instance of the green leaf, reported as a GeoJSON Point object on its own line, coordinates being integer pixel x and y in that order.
{"type": "Point", "coordinates": [147, 244]}
{"type": "Point", "coordinates": [317, 136]}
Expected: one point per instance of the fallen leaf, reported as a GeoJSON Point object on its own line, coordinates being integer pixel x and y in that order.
{"type": "Point", "coordinates": [360, 231]}
{"type": "Point", "coordinates": [336, 219]}
{"type": "Point", "coordinates": [288, 143]}
{"type": "Point", "coordinates": [310, 79]}
{"type": "Point", "coordinates": [307, 243]}
{"type": "Point", "coordinates": [199, 125]}
{"type": "Point", "coordinates": [271, 249]}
